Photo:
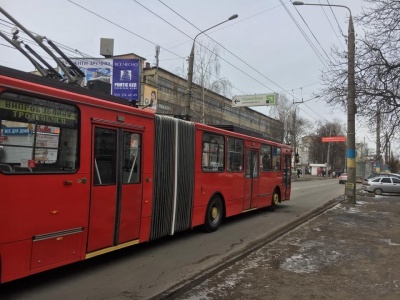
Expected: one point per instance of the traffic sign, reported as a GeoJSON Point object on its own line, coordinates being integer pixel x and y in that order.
{"type": "Point", "coordinates": [255, 100]}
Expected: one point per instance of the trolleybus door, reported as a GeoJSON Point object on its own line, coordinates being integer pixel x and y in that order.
{"type": "Point", "coordinates": [251, 179]}
{"type": "Point", "coordinates": [287, 177]}
{"type": "Point", "coordinates": [116, 188]}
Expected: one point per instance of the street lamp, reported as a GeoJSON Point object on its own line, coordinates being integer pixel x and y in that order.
{"type": "Point", "coordinates": [190, 70]}
{"type": "Point", "coordinates": [351, 109]}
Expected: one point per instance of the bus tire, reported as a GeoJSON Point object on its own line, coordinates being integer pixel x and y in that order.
{"type": "Point", "coordinates": [214, 214]}
{"type": "Point", "coordinates": [275, 200]}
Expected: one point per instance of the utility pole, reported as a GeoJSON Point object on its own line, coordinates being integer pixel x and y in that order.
{"type": "Point", "coordinates": [350, 189]}
{"type": "Point", "coordinates": [294, 141]}
{"type": "Point", "coordinates": [378, 139]}
{"type": "Point", "coordinates": [157, 62]}
{"type": "Point", "coordinates": [329, 149]}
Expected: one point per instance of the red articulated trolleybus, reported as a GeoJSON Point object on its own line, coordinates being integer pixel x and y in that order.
{"type": "Point", "coordinates": [82, 173]}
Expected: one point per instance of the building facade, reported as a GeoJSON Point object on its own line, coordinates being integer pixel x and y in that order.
{"type": "Point", "coordinates": [215, 109]}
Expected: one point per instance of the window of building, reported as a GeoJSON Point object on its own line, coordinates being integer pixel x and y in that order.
{"type": "Point", "coordinates": [213, 153]}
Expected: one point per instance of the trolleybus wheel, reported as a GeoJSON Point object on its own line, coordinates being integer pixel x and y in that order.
{"type": "Point", "coordinates": [275, 200]}
{"type": "Point", "coordinates": [214, 214]}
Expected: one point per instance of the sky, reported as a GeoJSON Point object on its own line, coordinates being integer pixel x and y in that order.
{"type": "Point", "coordinates": [261, 51]}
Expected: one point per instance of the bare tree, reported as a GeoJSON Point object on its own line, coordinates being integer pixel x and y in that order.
{"type": "Point", "coordinates": [294, 126]}
{"type": "Point", "coordinates": [333, 153]}
{"type": "Point", "coordinates": [377, 68]}
{"type": "Point", "coordinates": [207, 69]}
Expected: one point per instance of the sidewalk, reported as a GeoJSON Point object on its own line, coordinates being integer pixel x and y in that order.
{"type": "Point", "coordinates": [348, 252]}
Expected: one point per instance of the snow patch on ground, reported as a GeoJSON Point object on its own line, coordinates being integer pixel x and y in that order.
{"type": "Point", "coordinates": [299, 264]}
{"type": "Point", "coordinates": [389, 242]}
{"type": "Point", "coordinates": [353, 210]}
{"type": "Point", "coordinates": [254, 261]}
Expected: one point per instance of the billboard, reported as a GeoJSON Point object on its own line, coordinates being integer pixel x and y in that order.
{"type": "Point", "coordinates": [122, 74]}
{"type": "Point", "coordinates": [150, 96]}
{"type": "Point", "coordinates": [329, 139]}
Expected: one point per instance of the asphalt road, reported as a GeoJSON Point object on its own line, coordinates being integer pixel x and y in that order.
{"type": "Point", "coordinates": [144, 271]}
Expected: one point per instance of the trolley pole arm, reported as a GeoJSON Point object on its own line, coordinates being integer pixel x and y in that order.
{"type": "Point", "coordinates": [38, 40]}
{"type": "Point", "coordinates": [17, 45]}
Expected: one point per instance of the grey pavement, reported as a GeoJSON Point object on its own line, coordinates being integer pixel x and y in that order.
{"type": "Point", "coordinates": [347, 252]}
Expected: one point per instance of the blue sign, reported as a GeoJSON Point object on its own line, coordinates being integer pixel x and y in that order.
{"type": "Point", "coordinates": [15, 131]}
{"type": "Point", "coordinates": [126, 79]}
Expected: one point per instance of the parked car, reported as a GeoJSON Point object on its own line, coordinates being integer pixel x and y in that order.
{"type": "Point", "coordinates": [379, 185]}
{"type": "Point", "coordinates": [343, 178]}
{"type": "Point", "coordinates": [373, 175]}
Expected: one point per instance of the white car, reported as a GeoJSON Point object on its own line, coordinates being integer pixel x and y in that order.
{"type": "Point", "coordinates": [379, 185]}
{"type": "Point", "coordinates": [343, 178]}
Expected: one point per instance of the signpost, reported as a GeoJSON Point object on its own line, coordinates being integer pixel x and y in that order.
{"type": "Point", "coordinates": [255, 100]}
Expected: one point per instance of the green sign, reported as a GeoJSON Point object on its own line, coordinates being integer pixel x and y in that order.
{"type": "Point", "coordinates": [255, 100]}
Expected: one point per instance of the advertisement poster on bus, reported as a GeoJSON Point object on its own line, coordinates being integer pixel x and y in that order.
{"type": "Point", "coordinates": [150, 96]}
{"type": "Point", "coordinates": [122, 74]}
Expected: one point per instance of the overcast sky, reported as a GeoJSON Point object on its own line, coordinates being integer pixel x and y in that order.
{"type": "Point", "coordinates": [265, 50]}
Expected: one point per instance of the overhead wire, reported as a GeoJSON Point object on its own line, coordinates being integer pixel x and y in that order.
{"type": "Point", "coordinates": [330, 23]}
{"type": "Point", "coordinates": [121, 27]}
{"type": "Point", "coordinates": [69, 49]}
{"type": "Point", "coordinates": [312, 33]}
{"type": "Point", "coordinates": [304, 34]}
{"type": "Point", "coordinates": [333, 13]}
{"type": "Point", "coordinates": [223, 59]}
{"type": "Point", "coordinates": [222, 46]}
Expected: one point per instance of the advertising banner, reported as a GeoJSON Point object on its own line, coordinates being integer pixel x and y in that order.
{"type": "Point", "coordinates": [122, 74]}
{"type": "Point", "coordinates": [150, 96]}
{"type": "Point", "coordinates": [126, 79]}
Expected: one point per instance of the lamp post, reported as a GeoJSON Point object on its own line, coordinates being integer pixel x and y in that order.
{"type": "Point", "coordinates": [351, 109]}
{"type": "Point", "coordinates": [190, 69]}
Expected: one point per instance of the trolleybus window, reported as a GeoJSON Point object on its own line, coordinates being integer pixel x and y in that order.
{"type": "Point", "coordinates": [276, 159]}
{"type": "Point", "coordinates": [265, 158]}
{"type": "Point", "coordinates": [37, 135]}
{"type": "Point", "coordinates": [213, 153]}
{"type": "Point", "coordinates": [131, 170]}
{"type": "Point", "coordinates": [105, 153]}
{"type": "Point", "coordinates": [235, 155]}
